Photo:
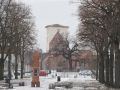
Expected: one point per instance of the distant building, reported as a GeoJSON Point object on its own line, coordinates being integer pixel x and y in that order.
{"type": "Point", "coordinates": [55, 61]}
{"type": "Point", "coordinates": [52, 30]}
{"type": "Point", "coordinates": [55, 38]}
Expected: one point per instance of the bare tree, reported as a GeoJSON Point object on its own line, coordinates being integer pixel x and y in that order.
{"type": "Point", "coordinates": [100, 22]}
{"type": "Point", "coordinates": [4, 5]}
{"type": "Point", "coordinates": [16, 26]}
{"type": "Point", "coordinates": [66, 48]}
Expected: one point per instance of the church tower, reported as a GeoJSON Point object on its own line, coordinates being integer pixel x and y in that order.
{"type": "Point", "coordinates": [52, 30]}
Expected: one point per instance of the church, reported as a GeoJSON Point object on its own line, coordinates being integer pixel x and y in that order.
{"type": "Point", "coordinates": [54, 60]}
{"type": "Point", "coordinates": [55, 34]}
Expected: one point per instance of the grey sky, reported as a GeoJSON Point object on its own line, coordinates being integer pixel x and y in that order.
{"type": "Point", "coordinates": [48, 12]}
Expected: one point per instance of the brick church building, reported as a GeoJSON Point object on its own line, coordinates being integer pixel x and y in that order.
{"type": "Point", "coordinates": [55, 61]}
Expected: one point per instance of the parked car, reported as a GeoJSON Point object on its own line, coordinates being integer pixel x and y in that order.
{"type": "Point", "coordinates": [85, 72]}
{"type": "Point", "coordinates": [28, 74]}
{"type": "Point", "coordinates": [43, 73]}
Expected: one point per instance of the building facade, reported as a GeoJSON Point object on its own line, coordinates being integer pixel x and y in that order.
{"type": "Point", "coordinates": [55, 61]}
{"type": "Point", "coordinates": [52, 30]}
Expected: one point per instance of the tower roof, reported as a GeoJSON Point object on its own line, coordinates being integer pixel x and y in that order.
{"type": "Point", "coordinates": [56, 25]}
{"type": "Point", "coordinates": [57, 39]}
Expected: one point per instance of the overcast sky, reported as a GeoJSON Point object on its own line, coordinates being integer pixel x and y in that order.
{"type": "Point", "coordinates": [47, 12]}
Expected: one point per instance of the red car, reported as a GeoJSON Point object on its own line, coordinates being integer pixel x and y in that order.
{"type": "Point", "coordinates": [43, 73]}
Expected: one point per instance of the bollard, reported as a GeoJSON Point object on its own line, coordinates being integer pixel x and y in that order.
{"type": "Point", "coordinates": [21, 84]}
{"type": "Point", "coordinates": [6, 80]}
{"type": "Point", "coordinates": [58, 78]}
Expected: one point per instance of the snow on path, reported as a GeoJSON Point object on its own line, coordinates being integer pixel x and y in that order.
{"type": "Point", "coordinates": [80, 83]}
{"type": "Point", "coordinates": [44, 83]}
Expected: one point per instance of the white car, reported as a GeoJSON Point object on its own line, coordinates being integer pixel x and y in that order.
{"type": "Point", "coordinates": [85, 72]}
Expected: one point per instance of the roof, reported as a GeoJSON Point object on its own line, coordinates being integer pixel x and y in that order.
{"type": "Point", "coordinates": [56, 39]}
{"type": "Point", "coordinates": [56, 25]}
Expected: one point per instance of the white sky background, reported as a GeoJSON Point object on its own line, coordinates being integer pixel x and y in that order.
{"type": "Point", "coordinates": [47, 12]}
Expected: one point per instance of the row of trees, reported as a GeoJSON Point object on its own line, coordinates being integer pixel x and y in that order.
{"type": "Point", "coordinates": [16, 33]}
{"type": "Point", "coordinates": [100, 28]}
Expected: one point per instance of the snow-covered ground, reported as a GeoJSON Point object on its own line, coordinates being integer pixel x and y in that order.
{"type": "Point", "coordinates": [80, 82]}
{"type": "Point", "coordinates": [45, 81]}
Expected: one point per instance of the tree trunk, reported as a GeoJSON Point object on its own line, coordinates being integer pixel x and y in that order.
{"type": "Point", "coordinates": [117, 66]}
{"type": "Point", "coordinates": [9, 66]}
{"type": "Point", "coordinates": [22, 65]}
{"type": "Point", "coordinates": [106, 58]}
{"type": "Point", "coordinates": [75, 65]}
{"type": "Point", "coordinates": [16, 66]}
{"type": "Point", "coordinates": [97, 66]}
{"type": "Point", "coordinates": [22, 58]}
{"type": "Point", "coordinates": [22, 68]}
{"type": "Point", "coordinates": [101, 69]}
{"type": "Point", "coordinates": [70, 65]}
{"type": "Point", "coordinates": [1, 69]}
{"type": "Point", "coordinates": [111, 65]}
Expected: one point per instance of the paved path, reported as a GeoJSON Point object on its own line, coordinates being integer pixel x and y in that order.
{"type": "Point", "coordinates": [79, 83]}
